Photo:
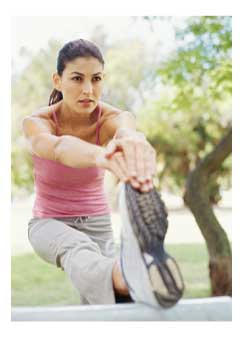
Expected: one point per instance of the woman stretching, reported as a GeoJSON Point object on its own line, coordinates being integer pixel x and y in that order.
{"type": "Point", "coordinates": [72, 142]}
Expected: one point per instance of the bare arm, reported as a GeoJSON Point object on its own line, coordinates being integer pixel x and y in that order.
{"type": "Point", "coordinates": [133, 152]}
{"type": "Point", "coordinates": [116, 123]}
{"type": "Point", "coordinates": [66, 149]}
{"type": "Point", "coordinates": [39, 129]}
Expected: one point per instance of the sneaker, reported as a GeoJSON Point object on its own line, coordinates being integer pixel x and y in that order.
{"type": "Point", "coordinates": [151, 274]}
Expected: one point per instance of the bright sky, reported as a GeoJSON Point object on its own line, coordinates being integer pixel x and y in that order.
{"type": "Point", "coordinates": [33, 32]}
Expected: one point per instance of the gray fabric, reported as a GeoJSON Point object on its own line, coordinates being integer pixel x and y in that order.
{"type": "Point", "coordinates": [84, 248]}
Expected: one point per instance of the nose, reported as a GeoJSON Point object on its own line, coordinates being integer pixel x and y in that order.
{"type": "Point", "coordinates": [87, 87]}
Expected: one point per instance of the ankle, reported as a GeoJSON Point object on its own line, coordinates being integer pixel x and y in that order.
{"type": "Point", "coordinates": [118, 281]}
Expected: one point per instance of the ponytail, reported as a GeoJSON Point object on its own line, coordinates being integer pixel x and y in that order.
{"type": "Point", "coordinates": [55, 97]}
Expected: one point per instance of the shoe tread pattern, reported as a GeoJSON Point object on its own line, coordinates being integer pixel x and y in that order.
{"type": "Point", "coordinates": [148, 216]}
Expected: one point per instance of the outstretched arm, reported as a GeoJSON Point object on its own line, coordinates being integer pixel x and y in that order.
{"type": "Point", "coordinates": [132, 150]}
{"type": "Point", "coordinates": [39, 130]}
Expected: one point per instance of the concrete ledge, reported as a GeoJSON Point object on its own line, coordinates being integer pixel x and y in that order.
{"type": "Point", "coordinates": [205, 309]}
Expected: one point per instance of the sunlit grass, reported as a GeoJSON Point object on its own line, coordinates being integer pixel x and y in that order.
{"type": "Point", "coordinates": [34, 282]}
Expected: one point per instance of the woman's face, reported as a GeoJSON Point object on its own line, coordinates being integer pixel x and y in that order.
{"type": "Point", "coordinates": [81, 84]}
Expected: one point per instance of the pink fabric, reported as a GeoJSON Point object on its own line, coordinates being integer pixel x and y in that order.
{"type": "Point", "coordinates": [63, 191]}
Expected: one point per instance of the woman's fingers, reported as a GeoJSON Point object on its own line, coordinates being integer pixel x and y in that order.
{"type": "Point", "coordinates": [139, 158]}
{"type": "Point", "coordinates": [130, 156]}
{"type": "Point", "coordinates": [127, 146]}
{"type": "Point", "coordinates": [117, 171]}
{"type": "Point", "coordinates": [140, 162]}
{"type": "Point", "coordinates": [146, 186]}
{"type": "Point", "coordinates": [135, 183]}
{"type": "Point", "coordinates": [150, 161]}
{"type": "Point", "coordinates": [110, 149]}
{"type": "Point", "coordinates": [117, 166]}
{"type": "Point", "coordinates": [119, 160]}
{"type": "Point", "coordinates": [145, 161]}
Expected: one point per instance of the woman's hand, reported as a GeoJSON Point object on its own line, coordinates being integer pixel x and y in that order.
{"type": "Point", "coordinates": [136, 157]}
{"type": "Point", "coordinates": [115, 164]}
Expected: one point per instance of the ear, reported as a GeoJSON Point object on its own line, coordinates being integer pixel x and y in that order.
{"type": "Point", "coordinates": [56, 81]}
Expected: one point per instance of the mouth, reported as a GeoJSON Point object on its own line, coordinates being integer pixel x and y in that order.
{"type": "Point", "coordinates": [86, 101]}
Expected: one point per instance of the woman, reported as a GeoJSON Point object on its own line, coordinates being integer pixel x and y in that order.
{"type": "Point", "coordinates": [73, 141]}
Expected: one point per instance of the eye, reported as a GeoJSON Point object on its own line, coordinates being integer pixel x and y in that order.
{"type": "Point", "coordinates": [97, 78]}
{"type": "Point", "coordinates": [77, 78]}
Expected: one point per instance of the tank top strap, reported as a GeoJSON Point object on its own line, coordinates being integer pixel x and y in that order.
{"type": "Point", "coordinates": [55, 120]}
{"type": "Point", "coordinates": [99, 107]}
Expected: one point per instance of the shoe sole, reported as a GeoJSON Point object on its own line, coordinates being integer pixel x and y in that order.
{"type": "Point", "coordinates": [148, 217]}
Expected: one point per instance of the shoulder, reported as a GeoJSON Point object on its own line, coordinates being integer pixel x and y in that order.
{"type": "Point", "coordinates": [112, 115]}
{"type": "Point", "coordinates": [113, 118]}
{"type": "Point", "coordinates": [45, 112]}
{"type": "Point", "coordinates": [41, 119]}
{"type": "Point", "coordinates": [111, 112]}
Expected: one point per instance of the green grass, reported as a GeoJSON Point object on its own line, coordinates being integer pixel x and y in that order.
{"type": "Point", "coordinates": [193, 262]}
{"type": "Point", "coordinates": [34, 282]}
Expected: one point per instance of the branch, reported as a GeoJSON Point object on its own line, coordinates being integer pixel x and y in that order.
{"type": "Point", "coordinates": [213, 160]}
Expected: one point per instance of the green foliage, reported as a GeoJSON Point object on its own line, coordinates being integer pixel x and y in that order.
{"type": "Point", "coordinates": [193, 109]}
{"type": "Point", "coordinates": [128, 63]}
{"type": "Point", "coordinates": [30, 90]}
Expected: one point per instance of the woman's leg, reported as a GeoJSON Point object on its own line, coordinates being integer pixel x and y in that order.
{"type": "Point", "coordinates": [99, 229]}
{"type": "Point", "coordinates": [79, 256]}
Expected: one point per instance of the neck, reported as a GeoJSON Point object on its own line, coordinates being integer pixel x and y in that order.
{"type": "Point", "coordinates": [69, 117]}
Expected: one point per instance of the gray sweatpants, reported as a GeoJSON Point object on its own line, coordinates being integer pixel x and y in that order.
{"type": "Point", "coordinates": [84, 248]}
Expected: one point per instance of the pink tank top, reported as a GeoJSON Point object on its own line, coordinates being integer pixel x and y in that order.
{"type": "Point", "coordinates": [63, 191]}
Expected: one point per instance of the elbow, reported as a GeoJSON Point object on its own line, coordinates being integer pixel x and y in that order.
{"type": "Point", "coordinates": [43, 147]}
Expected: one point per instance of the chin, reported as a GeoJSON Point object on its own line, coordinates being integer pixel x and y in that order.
{"type": "Point", "coordinates": [87, 110]}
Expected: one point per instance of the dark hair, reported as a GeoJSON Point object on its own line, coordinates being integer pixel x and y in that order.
{"type": "Point", "coordinates": [70, 51]}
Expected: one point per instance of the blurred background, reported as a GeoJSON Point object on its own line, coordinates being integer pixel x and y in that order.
{"type": "Point", "coordinates": [175, 74]}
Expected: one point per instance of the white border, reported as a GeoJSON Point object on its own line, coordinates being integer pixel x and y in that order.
{"type": "Point", "coordinates": [240, 168]}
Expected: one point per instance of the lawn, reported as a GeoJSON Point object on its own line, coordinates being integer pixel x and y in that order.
{"type": "Point", "coordinates": [34, 282]}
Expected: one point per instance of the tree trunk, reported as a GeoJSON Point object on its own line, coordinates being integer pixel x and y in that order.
{"type": "Point", "coordinates": [197, 199]}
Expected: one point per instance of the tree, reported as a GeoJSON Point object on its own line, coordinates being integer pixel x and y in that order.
{"type": "Point", "coordinates": [197, 198]}
{"type": "Point", "coordinates": [129, 67]}
{"type": "Point", "coordinates": [190, 125]}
